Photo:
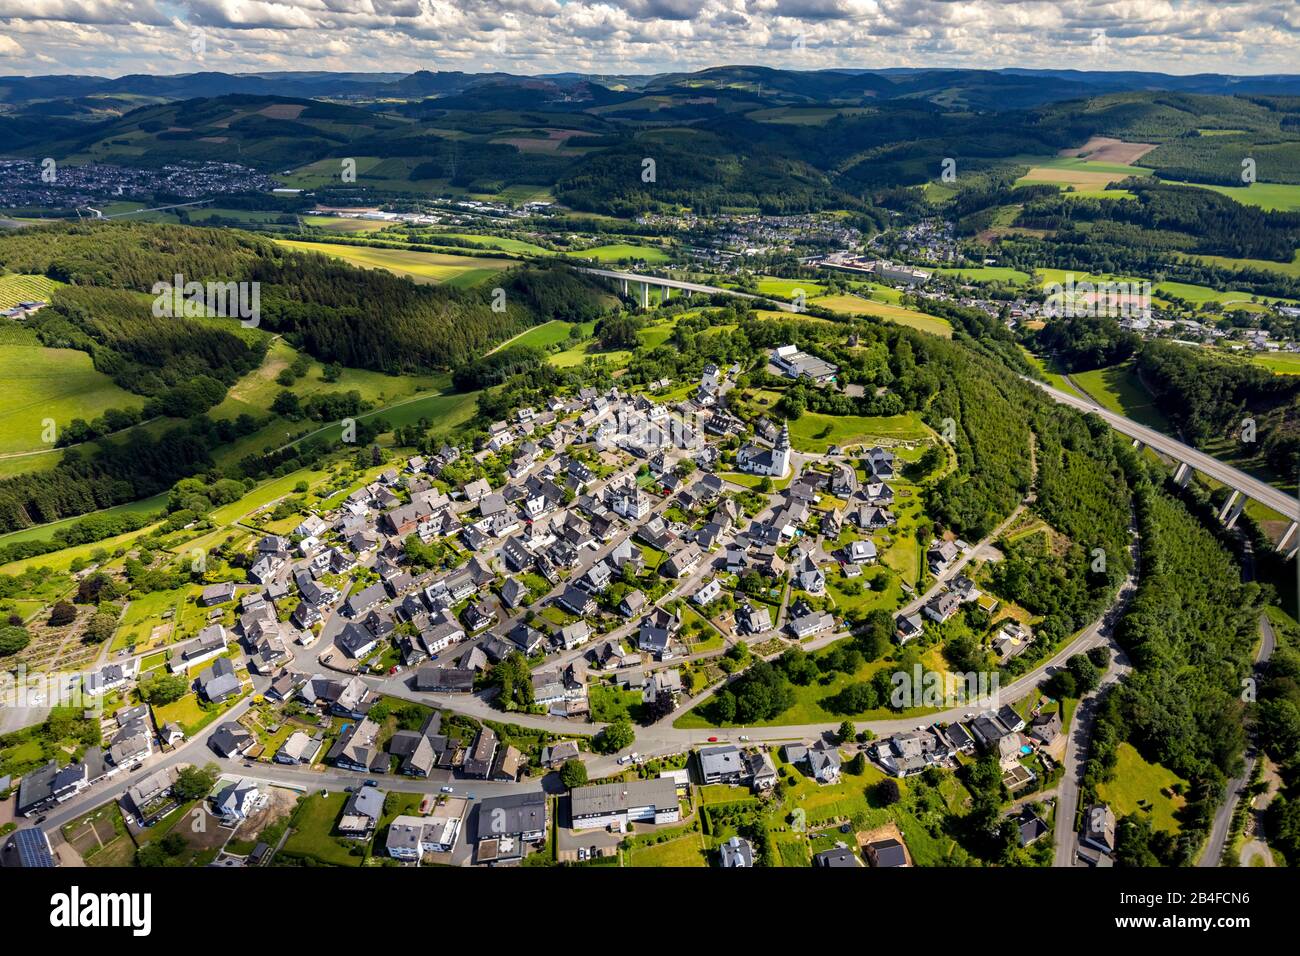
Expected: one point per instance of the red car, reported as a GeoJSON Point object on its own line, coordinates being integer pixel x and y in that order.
{"type": "Point", "coordinates": [713, 740]}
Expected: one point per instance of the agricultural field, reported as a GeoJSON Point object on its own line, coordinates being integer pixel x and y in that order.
{"type": "Point", "coordinates": [43, 532]}
{"type": "Point", "coordinates": [856, 305]}
{"type": "Point", "coordinates": [804, 115]}
{"type": "Point", "coordinates": [55, 384]}
{"type": "Point", "coordinates": [25, 288]}
{"type": "Point", "coordinates": [345, 225]}
{"type": "Point", "coordinates": [988, 274]}
{"type": "Point", "coordinates": [1271, 197]}
{"type": "Point", "coordinates": [504, 243]}
{"type": "Point", "coordinates": [1078, 174]}
{"type": "Point", "coordinates": [430, 267]}
{"type": "Point", "coordinates": [617, 252]}
{"type": "Point", "coordinates": [1280, 363]}
{"type": "Point", "coordinates": [1291, 268]}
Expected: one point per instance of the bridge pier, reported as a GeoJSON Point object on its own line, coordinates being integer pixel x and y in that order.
{"type": "Point", "coordinates": [625, 288]}
{"type": "Point", "coordinates": [1232, 509]}
{"type": "Point", "coordinates": [1183, 474]}
{"type": "Point", "coordinates": [1137, 443]}
{"type": "Point", "coordinates": [645, 295]}
{"type": "Point", "coordinates": [666, 290]}
{"type": "Point", "coordinates": [1287, 544]}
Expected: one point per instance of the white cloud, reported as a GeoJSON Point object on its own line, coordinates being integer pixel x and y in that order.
{"type": "Point", "coordinates": [119, 36]}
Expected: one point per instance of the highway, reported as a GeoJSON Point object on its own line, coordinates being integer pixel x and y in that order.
{"type": "Point", "coordinates": [1252, 487]}
{"type": "Point", "coordinates": [684, 286]}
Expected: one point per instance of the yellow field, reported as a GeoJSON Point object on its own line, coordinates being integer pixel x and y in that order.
{"type": "Point", "coordinates": [430, 267]}
{"type": "Point", "coordinates": [856, 305]}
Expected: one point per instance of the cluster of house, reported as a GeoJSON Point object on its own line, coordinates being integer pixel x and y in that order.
{"type": "Point", "coordinates": [22, 310]}
{"type": "Point", "coordinates": [1002, 731]}
{"type": "Point", "coordinates": [129, 739]}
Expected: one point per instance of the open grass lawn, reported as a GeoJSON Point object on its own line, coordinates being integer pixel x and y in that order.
{"type": "Point", "coordinates": [589, 350]}
{"type": "Point", "coordinates": [1119, 389]}
{"type": "Point", "coordinates": [256, 391]}
{"type": "Point", "coordinates": [615, 252]}
{"type": "Point", "coordinates": [313, 829]}
{"type": "Point", "coordinates": [44, 532]}
{"type": "Point", "coordinates": [685, 850]}
{"type": "Point", "coordinates": [539, 336]}
{"type": "Point", "coordinates": [1137, 787]}
{"type": "Point", "coordinates": [190, 713]}
{"type": "Point", "coordinates": [147, 612]}
{"type": "Point", "coordinates": [434, 267]}
{"type": "Point", "coordinates": [868, 599]}
{"type": "Point", "coordinates": [609, 702]}
{"type": "Point", "coordinates": [1050, 372]}
{"type": "Point", "coordinates": [54, 384]}
{"type": "Point", "coordinates": [814, 432]}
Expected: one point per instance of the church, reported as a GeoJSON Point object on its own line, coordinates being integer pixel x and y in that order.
{"type": "Point", "coordinates": [773, 462]}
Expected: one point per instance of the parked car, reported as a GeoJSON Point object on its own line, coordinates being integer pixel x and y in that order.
{"type": "Point", "coordinates": [372, 783]}
{"type": "Point", "coordinates": [713, 740]}
{"type": "Point", "coordinates": [447, 789]}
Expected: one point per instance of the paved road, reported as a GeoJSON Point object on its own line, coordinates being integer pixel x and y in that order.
{"type": "Point", "coordinates": [1077, 751]}
{"type": "Point", "coordinates": [1252, 487]}
{"type": "Point", "coordinates": [1213, 853]}
{"type": "Point", "coordinates": [1078, 744]}
{"type": "Point", "coordinates": [686, 286]}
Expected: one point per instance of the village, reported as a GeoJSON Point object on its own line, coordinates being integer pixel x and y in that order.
{"type": "Point", "coordinates": [634, 551]}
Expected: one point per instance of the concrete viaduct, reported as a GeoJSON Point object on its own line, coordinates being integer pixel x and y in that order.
{"type": "Point", "coordinates": [1189, 459]}
{"type": "Point", "coordinates": [629, 279]}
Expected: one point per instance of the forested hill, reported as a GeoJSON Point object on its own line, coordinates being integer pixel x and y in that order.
{"type": "Point", "coordinates": [335, 311]}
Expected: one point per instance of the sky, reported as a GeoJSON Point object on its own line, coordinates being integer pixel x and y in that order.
{"type": "Point", "coordinates": [113, 37]}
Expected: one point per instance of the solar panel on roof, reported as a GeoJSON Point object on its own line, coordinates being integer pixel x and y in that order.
{"type": "Point", "coordinates": [33, 848]}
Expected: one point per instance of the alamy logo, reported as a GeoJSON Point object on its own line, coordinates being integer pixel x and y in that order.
{"type": "Point", "coordinates": [194, 299]}
{"type": "Point", "coordinates": [76, 909]}
{"type": "Point", "coordinates": [939, 689]}
{"type": "Point", "coordinates": [1071, 299]}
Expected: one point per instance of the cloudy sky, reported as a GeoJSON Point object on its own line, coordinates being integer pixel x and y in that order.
{"type": "Point", "coordinates": [112, 37]}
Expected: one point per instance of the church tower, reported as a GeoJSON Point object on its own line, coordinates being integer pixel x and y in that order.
{"type": "Point", "coordinates": [781, 453]}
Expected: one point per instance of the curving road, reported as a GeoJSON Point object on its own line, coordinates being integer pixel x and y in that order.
{"type": "Point", "coordinates": [1213, 852]}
